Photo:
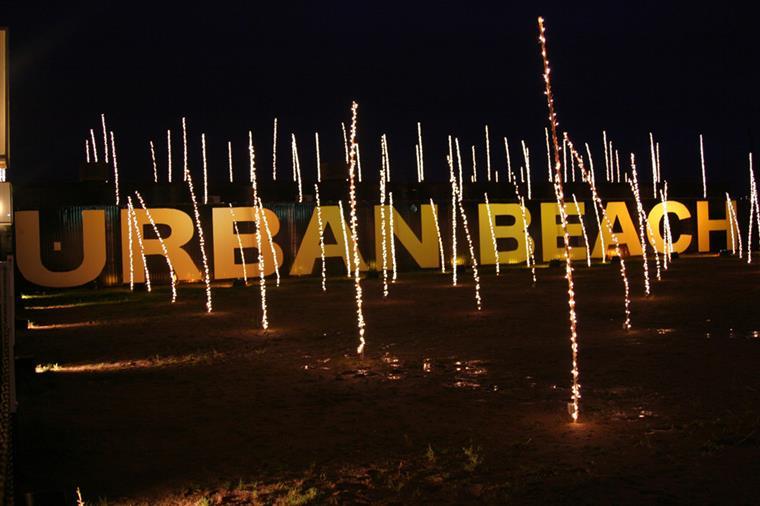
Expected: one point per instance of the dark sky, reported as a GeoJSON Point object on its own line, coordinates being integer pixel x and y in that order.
{"type": "Point", "coordinates": [628, 67]}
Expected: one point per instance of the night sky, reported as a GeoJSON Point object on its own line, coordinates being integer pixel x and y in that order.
{"type": "Point", "coordinates": [452, 65]}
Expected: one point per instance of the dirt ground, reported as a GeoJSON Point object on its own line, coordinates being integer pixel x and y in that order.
{"type": "Point", "coordinates": [154, 403]}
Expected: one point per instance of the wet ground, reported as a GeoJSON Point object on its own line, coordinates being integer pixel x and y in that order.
{"type": "Point", "coordinates": [140, 401]}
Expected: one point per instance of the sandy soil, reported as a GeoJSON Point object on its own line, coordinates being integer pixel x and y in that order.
{"type": "Point", "coordinates": [158, 403]}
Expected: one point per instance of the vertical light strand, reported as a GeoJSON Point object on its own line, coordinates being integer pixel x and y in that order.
{"type": "Point", "coordinates": [229, 162]}
{"type": "Point", "coordinates": [262, 278]}
{"type": "Point", "coordinates": [526, 156]}
{"type": "Point", "coordinates": [131, 246]}
{"type": "Point", "coordinates": [296, 167]}
{"type": "Point", "coordinates": [169, 155]}
{"type": "Point", "coordinates": [548, 155]}
{"type": "Point", "coordinates": [473, 258]}
{"type": "Point", "coordinates": [139, 233]}
{"type": "Point", "coordinates": [608, 225]}
{"type": "Point", "coordinates": [583, 230]}
{"type": "Point", "coordinates": [666, 218]}
{"type": "Point", "coordinates": [274, 151]}
{"type": "Point", "coordinates": [345, 140]}
{"type": "Point", "coordinates": [358, 163]}
{"type": "Point", "coordinates": [94, 146]}
{"type": "Point", "coordinates": [417, 158]}
{"type": "Point", "coordinates": [474, 176]}
{"type": "Point", "coordinates": [735, 224]}
{"type": "Point", "coordinates": [201, 240]}
{"type": "Point", "coordinates": [452, 180]}
{"type": "Point", "coordinates": [509, 160]}
{"type": "Point", "coordinates": [576, 388]}
{"type": "Point", "coordinates": [319, 161]}
{"type": "Point", "coordinates": [383, 229]}
{"type": "Point", "coordinates": [606, 156]}
{"type": "Point", "coordinates": [730, 218]}
{"type": "Point", "coordinates": [392, 234]}
{"type": "Point", "coordinates": [617, 165]}
{"type": "Point", "coordinates": [344, 228]}
{"type": "Point", "coordinates": [205, 169]}
{"type": "Point", "coordinates": [355, 229]}
{"type": "Point", "coordinates": [268, 232]}
{"type": "Point", "coordinates": [387, 156]}
{"type": "Point", "coordinates": [321, 235]}
{"type": "Point", "coordinates": [488, 154]}
{"type": "Point", "coordinates": [87, 150]}
{"type": "Point", "coordinates": [115, 169]}
{"type": "Point", "coordinates": [438, 234]}
{"type": "Point", "coordinates": [702, 162]}
{"type": "Point", "coordinates": [240, 244]}
{"type": "Point", "coordinates": [105, 136]}
{"type": "Point", "coordinates": [172, 274]}
{"type": "Point", "coordinates": [590, 165]}
{"type": "Point", "coordinates": [185, 170]}
{"type": "Point", "coordinates": [633, 182]}
{"type": "Point", "coordinates": [153, 160]}
{"type": "Point", "coordinates": [422, 158]}
{"type": "Point", "coordinates": [530, 260]}
{"type": "Point", "coordinates": [460, 184]}
{"type": "Point", "coordinates": [493, 234]}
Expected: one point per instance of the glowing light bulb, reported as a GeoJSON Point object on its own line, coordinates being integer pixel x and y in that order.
{"type": "Point", "coordinates": [493, 233]}
{"type": "Point", "coordinates": [583, 230]}
{"type": "Point", "coordinates": [165, 251]}
{"type": "Point", "coordinates": [153, 160]}
{"type": "Point", "coordinates": [438, 234]}
{"type": "Point", "coordinates": [105, 136]}
{"type": "Point", "coordinates": [240, 244]}
{"type": "Point", "coordinates": [115, 170]}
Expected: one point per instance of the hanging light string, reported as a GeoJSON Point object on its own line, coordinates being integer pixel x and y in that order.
{"type": "Point", "coordinates": [735, 224]}
{"type": "Point", "coordinates": [229, 160]}
{"type": "Point", "coordinates": [105, 136]}
{"type": "Point", "coordinates": [355, 229]}
{"type": "Point", "coordinates": [344, 228]}
{"type": "Point", "coordinates": [132, 217]}
{"type": "Point", "coordinates": [530, 259]}
{"type": "Point", "coordinates": [422, 158]}
{"type": "Point", "coordinates": [608, 226]}
{"type": "Point", "coordinates": [438, 234]}
{"type": "Point", "coordinates": [201, 239]}
{"type": "Point", "coordinates": [321, 238]}
{"type": "Point", "coordinates": [633, 182]}
{"type": "Point", "coordinates": [268, 232]}
{"type": "Point", "coordinates": [115, 169]}
{"type": "Point", "coordinates": [274, 151]}
{"type": "Point", "coordinates": [165, 251]}
{"type": "Point", "coordinates": [153, 160]}
{"type": "Point", "coordinates": [262, 267]}
{"type": "Point", "coordinates": [131, 251]}
{"type": "Point", "coordinates": [452, 180]}
{"type": "Point", "coordinates": [558, 191]}
{"type": "Point", "coordinates": [319, 161]}
{"type": "Point", "coordinates": [205, 169]}
{"type": "Point", "coordinates": [383, 229]}
{"type": "Point", "coordinates": [168, 155]}
{"type": "Point", "coordinates": [493, 233]}
{"type": "Point", "coordinates": [583, 230]}
{"type": "Point", "coordinates": [240, 244]}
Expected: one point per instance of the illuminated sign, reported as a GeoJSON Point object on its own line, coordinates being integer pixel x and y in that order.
{"type": "Point", "coordinates": [100, 244]}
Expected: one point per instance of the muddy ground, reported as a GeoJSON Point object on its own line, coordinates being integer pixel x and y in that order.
{"type": "Point", "coordinates": [154, 403]}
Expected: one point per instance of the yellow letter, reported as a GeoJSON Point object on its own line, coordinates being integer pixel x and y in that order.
{"type": "Point", "coordinates": [424, 251]}
{"type": "Point", "coordinates": [308, 251]}
{"type": "Point", "coordinates": [29, 258]}
{"type": "Point", "coordinates": [225, 243]}
{"type": "Point", "coordinates": [182, 230]}
{"type": "Point", "coordinates": [513, 232]}
{"type": "Point", "coordinates": [551, 231]}
{"type": "Point", "coordinates": [705, 225]}
{"type": "Point", "coordinates": [656, 215]}
{"type": "Point", "coordinates": [628, 235]}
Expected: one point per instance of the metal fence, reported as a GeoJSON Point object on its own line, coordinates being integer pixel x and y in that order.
{"type": "Point", "coordinates": [7, 379]}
